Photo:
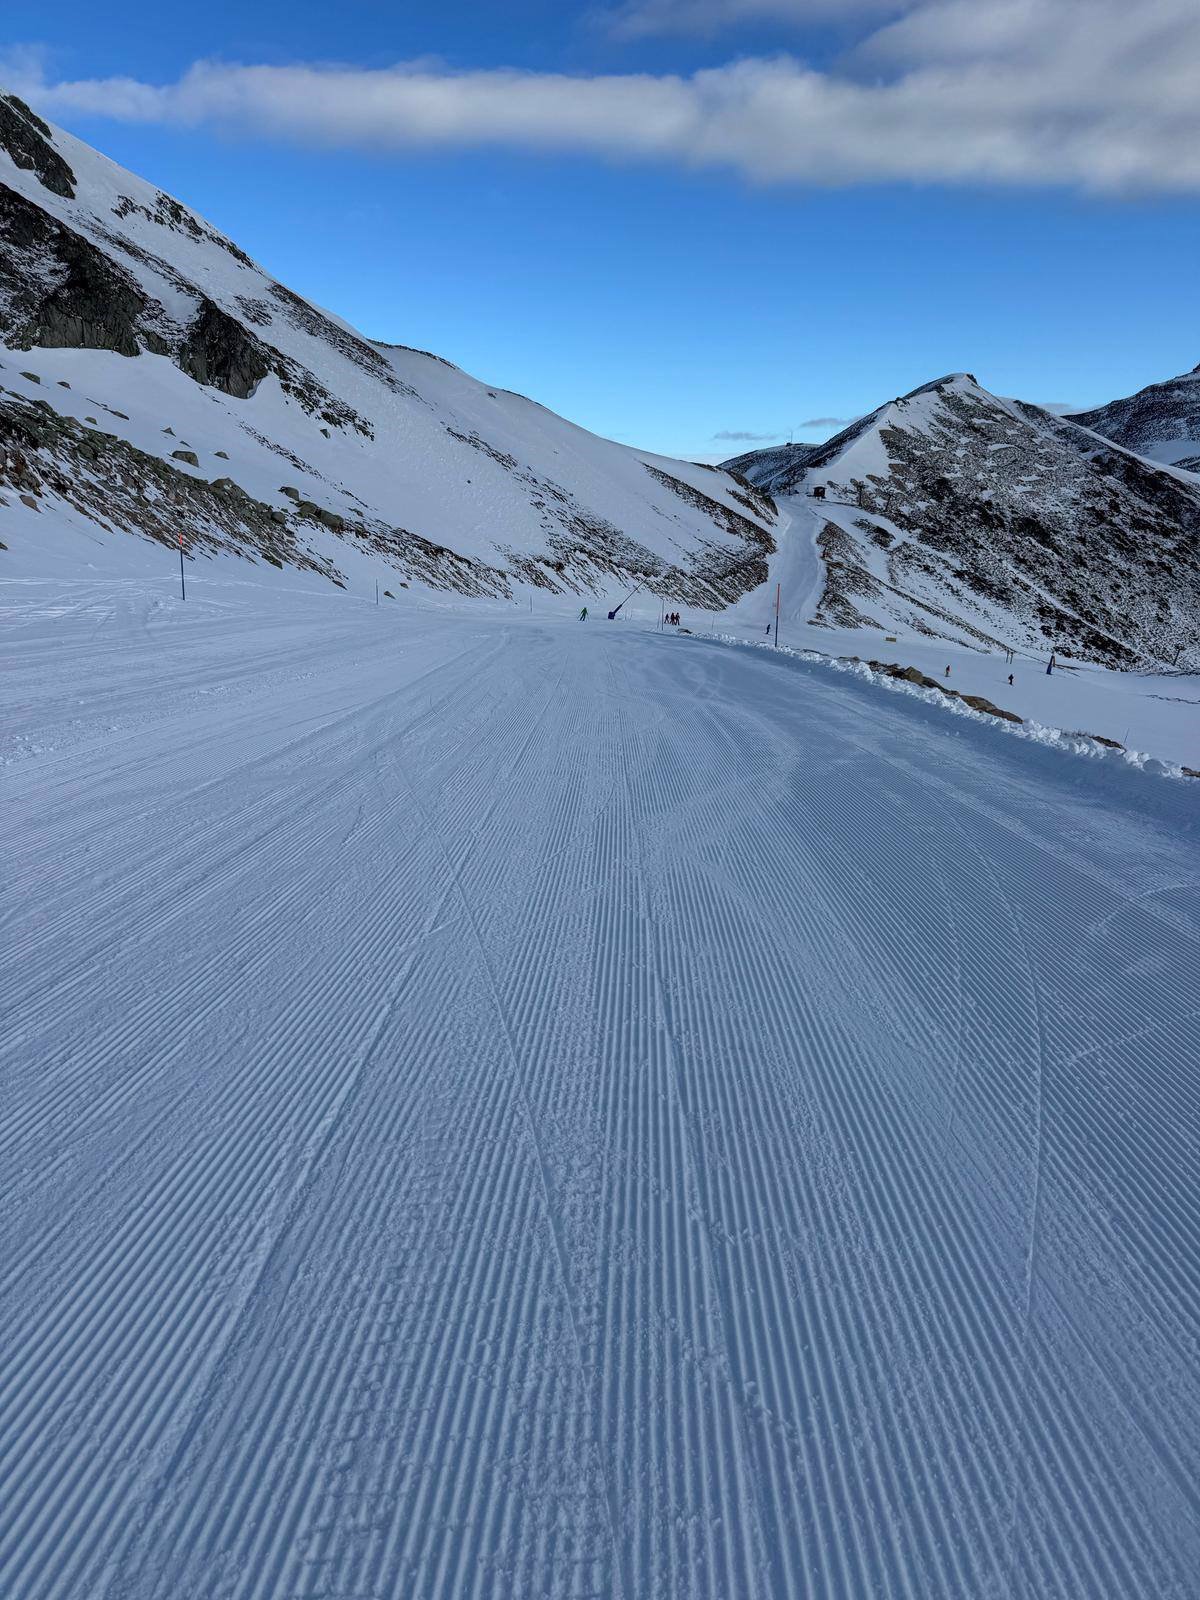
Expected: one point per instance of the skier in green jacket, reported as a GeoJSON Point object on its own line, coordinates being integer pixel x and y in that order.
{"type": "Point", "coordinates": [583, 615]}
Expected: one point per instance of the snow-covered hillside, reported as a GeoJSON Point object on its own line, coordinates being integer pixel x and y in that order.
{"type": "Point", "coordinates": [154, 380]}
{"type": "Point", "coordinates": [955, 515]}
{"type": "Point", "coordinates": [1161, 421]}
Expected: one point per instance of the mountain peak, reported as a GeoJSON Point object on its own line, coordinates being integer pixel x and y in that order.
{"type": "Point", "coordinates": [953, 513]}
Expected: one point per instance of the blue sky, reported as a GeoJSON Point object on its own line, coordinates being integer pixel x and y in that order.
{"type": "Point", "coordinates": [674, 220]}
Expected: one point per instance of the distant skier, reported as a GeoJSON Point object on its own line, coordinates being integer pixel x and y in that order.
{"type": "Point", "coordinates": [1010, 680]}
{"type": "Point", "coordinates": [947, 671]}
{"type": "Point", "coordinates": [583, 615]}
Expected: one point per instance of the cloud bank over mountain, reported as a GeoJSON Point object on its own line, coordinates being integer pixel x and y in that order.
{"type": "Point", "coordinates": [1090, 94]}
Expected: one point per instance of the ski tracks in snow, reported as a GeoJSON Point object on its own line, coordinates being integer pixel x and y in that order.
{"type": "Point", "coordinates": [478, 1123]}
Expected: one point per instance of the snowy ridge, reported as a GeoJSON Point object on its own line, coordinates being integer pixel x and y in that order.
{"type": "Point", "coordinates": [140, 344]}
{"type": "Point", "coordinates": [954, 514]}
{"type": "Point", "coordinates": [1161, 421]}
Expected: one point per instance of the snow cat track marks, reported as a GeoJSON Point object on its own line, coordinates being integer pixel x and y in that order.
{"type": "Point", "coordinates": [734, 1555]}
{"type": "Point", "coordinates": [281, 809]}
{"type": "Point", "coordinates": [305, 1331]}
{"type": "Point", "coordinates": [768, 1004]}
{"type": "Point", "coordinates": [1077, 1450]}
{"type": "Point", "coordinates": [736, 1120]}
{"type": "Point", "coordinates": [156, 1202]}
{"type": "Point", "coordinates": [1121, 1512]}
{"type": "Point", "coordinates": [859, 832]}
{"type": "Point", "coordinates": [163, 904]}
{"type": "Point", "coordinates": [517, 1075]}
{"type": "Point", "coordinates": [779, 988]}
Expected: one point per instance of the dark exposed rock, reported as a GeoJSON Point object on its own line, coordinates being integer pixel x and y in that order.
{"type": "Point", "coordinates": [37, 456]}
{"type": "Point", "coordinates": [977, 702]}
{"type": "Point", "coordinates": [319, 326]}
{"type": "Point", "coordinates": [168, 213]}
{"type": "Point", "coordinates": [219, 352]}
{"type": "Point", "coordinates": [1163, 413]}
{"type": "Point", "coordinates": [60, 290]}
{"type": "Point", "coordinates": [228, 489]}
{"type": "Point", "coordinates": [723, 516]}
{"type": "Point", "coordinates": [186, 455]}
{"type": "Point", "coordinates": [27, 140]}
{"type": "Point", "coordinates": [57, 289]}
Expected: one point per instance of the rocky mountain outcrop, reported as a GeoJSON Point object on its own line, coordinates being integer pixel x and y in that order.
{"type": "Point", "coordinates": [120, 306]}
{"type": "Point", "coordinates": [28, 141]}
{"type": "Point", "coordinates": [1161, 421]}
{"type": "Point", "coordinates": [956, 514]}
{"type": "Point", "coordinates": [58, 290]}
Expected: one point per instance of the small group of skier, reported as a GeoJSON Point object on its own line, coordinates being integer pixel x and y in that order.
{"type": "Point", "coordinates": [672, 619]}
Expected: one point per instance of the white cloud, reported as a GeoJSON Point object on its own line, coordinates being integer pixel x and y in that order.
{"type": "Point", "coordinates": [637, 19]}
{"type": "Point", "coordinates": [1098, 94]}
{"type": "Point", "coordinates": [737, 436]}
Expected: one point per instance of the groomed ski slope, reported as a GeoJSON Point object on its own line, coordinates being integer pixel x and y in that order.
{"type": "Point", "coordinates": [504, 1107]}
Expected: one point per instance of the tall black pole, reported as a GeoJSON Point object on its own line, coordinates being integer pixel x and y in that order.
{"type": "Point", "coordinates": [182, 580]}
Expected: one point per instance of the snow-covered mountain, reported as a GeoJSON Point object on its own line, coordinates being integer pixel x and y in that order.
{"type": "Point", "coordinates": [958, 515]}
{"type": "Point", "coordinates": [154, 379]}
{"type": "Point", "coordinates": [1161, 421]}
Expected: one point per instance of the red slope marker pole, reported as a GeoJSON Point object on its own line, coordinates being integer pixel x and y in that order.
{"type": "Point", "coordinates": [778, 594]}
{"type": "Point", "coordinates": [182, 583]}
